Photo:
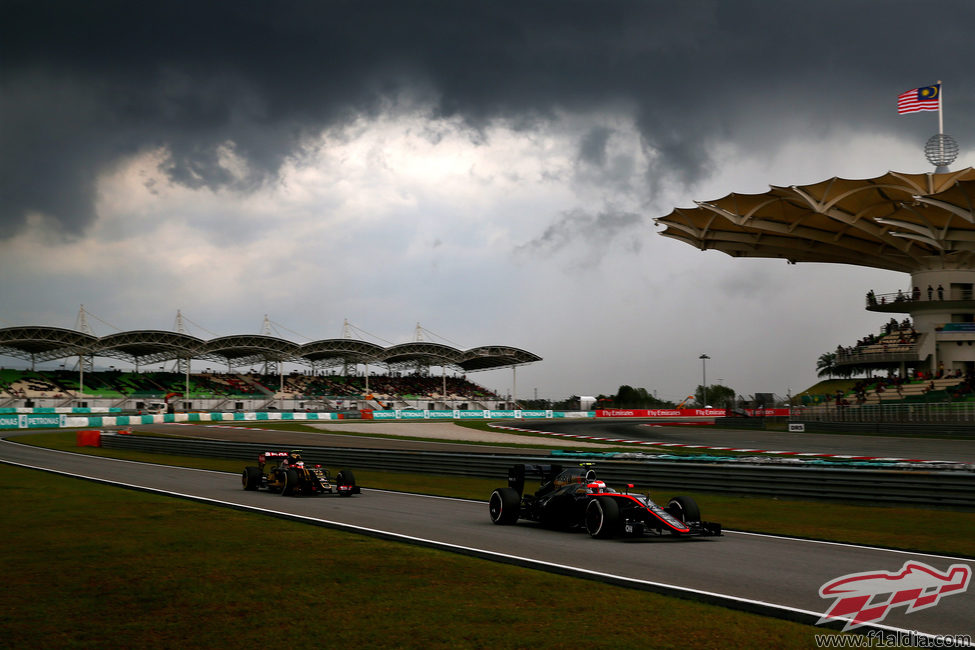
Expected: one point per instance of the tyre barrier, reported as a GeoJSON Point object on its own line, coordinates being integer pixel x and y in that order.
{"type": "Point", "coordinates": [888, 487]}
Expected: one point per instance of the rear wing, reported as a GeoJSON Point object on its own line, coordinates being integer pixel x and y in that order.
{"type": "Point", "coordinates": [517, 473]}
{"type": "Point", "coordinates": [270, 455]}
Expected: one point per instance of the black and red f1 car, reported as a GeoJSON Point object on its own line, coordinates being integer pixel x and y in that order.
{"type": "Point", "coordinates": [287, 473]}
{"type": "Point", "coordinates": [575, 498]}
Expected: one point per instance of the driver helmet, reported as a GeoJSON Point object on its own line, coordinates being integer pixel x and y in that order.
{"type": "Point", "coordinates": [597, 486]}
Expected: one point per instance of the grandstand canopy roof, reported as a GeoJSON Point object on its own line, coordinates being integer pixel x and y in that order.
{"type": "Point", "coordinates": [422, 353]}
{"type": "Point", "coordinates": [898, 222]}
{"type": "Point", "coordinates": [245, 349]}
{"type": "Point", "coordinates": [426, 353]}
{"type": "Point", "coordinates": [149, 346]}
{"type": "Point", "coordinates": [340, 352]}
{"type": "Point", "coordinates": [489, 357]}
{"type": "Point", "coordinates": [44, 343]}
{"type": "Point", "coordinates": [154, 346]}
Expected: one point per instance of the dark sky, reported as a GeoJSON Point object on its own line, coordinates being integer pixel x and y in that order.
{"type": "Point", "coordinates": [86, 83]}
{"type": "Point", "coordinates": [490, 169]}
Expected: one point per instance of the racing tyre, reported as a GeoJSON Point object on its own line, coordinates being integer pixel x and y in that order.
{"type": "Point", "coordinates": [251, 478]}
{"type": "Point", "coordinates": [684, 508]}
{"type": "Point", "coordinates": [602, 517]}
{"type": "Point", "coordinates": [290, 483]}
{"type": "Point", "coordinates": [345, 477]}
{"type": "Point", "coordinates": [504, 505]}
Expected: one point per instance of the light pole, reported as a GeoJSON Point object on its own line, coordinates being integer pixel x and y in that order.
{"type": "Point", "coordinates": [704, 377]}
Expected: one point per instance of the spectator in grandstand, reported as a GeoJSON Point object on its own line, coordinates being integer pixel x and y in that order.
{"type": "Point", "coordinates": [941, 292]}
{"type": "Point", "coordinates": [930, 292]}
{"type": "Point", "coordinates": [917, 293]}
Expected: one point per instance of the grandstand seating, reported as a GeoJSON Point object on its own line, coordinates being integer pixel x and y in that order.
{"type": "Point", "coordinates": [29, 384]}
{"type": "Point", "coordinates": [945, 389]}
{"type": "Point", "coordinates": [116, 384]}
{"type": "Point", "coordinates": [896, 341]}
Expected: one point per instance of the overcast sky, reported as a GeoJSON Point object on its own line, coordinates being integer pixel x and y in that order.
{"type": "Point", "coordinates": [490, 170]}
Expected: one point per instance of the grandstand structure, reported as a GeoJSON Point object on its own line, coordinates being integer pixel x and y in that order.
{"type": "Point", "coordinates": [406, 382]}
{"type": "Point", "coordinates": [922, 225]}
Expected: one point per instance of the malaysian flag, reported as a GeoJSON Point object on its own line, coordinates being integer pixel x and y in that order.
{"type": "Point", "coordinates": [926, 98]}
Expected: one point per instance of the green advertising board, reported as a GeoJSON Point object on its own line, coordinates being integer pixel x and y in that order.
{"type": "Point", "coordinates": [32, 421]}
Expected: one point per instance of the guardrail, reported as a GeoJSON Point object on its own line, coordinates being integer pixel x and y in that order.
{"type": "Point", "coordinates": [950, 488]}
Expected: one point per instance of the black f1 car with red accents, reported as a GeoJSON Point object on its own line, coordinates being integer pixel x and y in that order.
{"type": "Point", "coordinates": [575, 498]}
{"type": "Point", "coordinates": [285, 472]}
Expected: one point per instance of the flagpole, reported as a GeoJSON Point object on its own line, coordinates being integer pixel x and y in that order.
{"type": "Point", "coordinates": [941, 123]}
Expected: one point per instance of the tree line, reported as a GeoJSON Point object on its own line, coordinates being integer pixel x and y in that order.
{"type": "Point", "coordinates": [628, 397]}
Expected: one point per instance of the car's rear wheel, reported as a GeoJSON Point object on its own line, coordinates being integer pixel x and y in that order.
{"type": "Point", "coordinates": [602, 517]}
{"type": "Point", "coordinates": [251, 478]}
{"type": "Point", "coordinates": [290, 483]}
{"type": "Point", "coordinates": [504, 505]}
{"type": "Point", "coordinates": [345, 477]}
{"type": "Point", "coordinates": [684, 508]}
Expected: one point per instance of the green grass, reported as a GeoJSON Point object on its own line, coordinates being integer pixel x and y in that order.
{"type": "Point", "coordinates": [88, 565]}
{"type": "Point", "coordinates": [934, 530]}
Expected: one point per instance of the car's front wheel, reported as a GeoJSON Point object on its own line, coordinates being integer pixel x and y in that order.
{"type": "Point", "coordinates": [684, 508]}
{"type": "Point", "coordinates": [345, 477]}
{"type": "Point", "coordinates": [504, 505]}
{"type": "Point", "coordinates": [602, 517]}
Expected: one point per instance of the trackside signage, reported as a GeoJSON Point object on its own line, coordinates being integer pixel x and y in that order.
{"type": "Point", "coordinates": [471, 415]}
{"type": "Point", "coordinates": [59, 420]}
{"type": "Point", "coordinates": [536, 414]}
{"type": "Point", "coordinates": [409, 414]}
{"type": "Point", "coordinates": [56, 409]}
{"type": "Point", "coordinates": [32, 421]}
{"type": "Point", "coordinates": [682, 413]}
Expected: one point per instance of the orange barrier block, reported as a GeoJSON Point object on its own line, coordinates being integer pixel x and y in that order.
{"type": "Point", "coordinates": [89, 438]}
{"type": "Point", "coordinates": [366, 414]}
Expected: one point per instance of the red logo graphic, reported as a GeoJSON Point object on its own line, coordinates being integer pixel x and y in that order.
{"type": "Point", "coordinates": [868, 597]}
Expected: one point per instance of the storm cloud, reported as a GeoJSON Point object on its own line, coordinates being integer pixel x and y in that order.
{"type": "Point", "coordinates": [488, 168]}
{"type": "Point", "coordinates": [87, 84]}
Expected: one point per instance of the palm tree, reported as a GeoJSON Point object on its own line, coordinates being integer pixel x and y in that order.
{"type": "Point", "coordinates": [826, 365]}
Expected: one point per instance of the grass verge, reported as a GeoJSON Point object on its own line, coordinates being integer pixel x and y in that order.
{"type": "Point", "coordinates": [89, 564]}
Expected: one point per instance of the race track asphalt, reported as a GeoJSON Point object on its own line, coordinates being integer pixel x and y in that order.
{"type": "Point", "coordinates": [753, 571]}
